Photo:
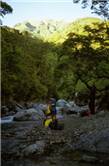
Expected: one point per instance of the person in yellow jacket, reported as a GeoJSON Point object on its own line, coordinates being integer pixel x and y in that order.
{"type": "Point", "coordinates": [50, 114]}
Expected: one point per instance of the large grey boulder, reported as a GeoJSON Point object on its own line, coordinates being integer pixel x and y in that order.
{"type": "Point", "coordinates": [84, 108]}
{"type": "Point", "coordinates": [29, 114]}
{"type": "Point", "coordinates": [36, 148]}
{"type": "Point", "coordinates": [62, 103]}
{"type": "Point", "coordinates": [75, 110]}
{"type": "Point", "coordinates": [70, 107]}
{"type": "Point", "coordinates": [89, 159]}
{"type": "Point", "coordinates": [39, 107]}
{"type": "Point", "coordinates": [72, 103]}
{"type": "Point", "coordinates": [79, 110]}
{"type": "Point", "coordinates": [96, 141]}
{"type": "Point", "coordinates": [63, 106]}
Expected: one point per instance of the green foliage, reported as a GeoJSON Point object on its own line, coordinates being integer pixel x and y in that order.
{"type": "Point", "coordinates": [100, 7]}
{"type": "Point", "coordinates": [88, 57]}
{"type": "Point", "coordinates": [4, 9]}
{"type": "Point", "coordinates": [62, 64]}
{"type": "Point", "coordinates": [27, 66]}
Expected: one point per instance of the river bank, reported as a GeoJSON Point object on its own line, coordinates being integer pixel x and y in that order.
{"type": "Point", "coordinates": [83, 140]}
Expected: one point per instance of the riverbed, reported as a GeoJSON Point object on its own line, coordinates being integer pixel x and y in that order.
{"type": "Point", "coordinates": [18, 136]}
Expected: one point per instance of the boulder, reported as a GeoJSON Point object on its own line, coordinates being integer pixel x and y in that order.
{"type": "Point", "coordinates": [70, 107]}
{"type": "Point", "coordinates": [29, 114]}
{"type": "Point", "coordinates": [72, 103]}
{"type": "Point", "coordinates": [4, 110]}
{"type": "Point", "coordinates": [63, 106]}
{"type": "Point", "coordinates": [18, 109]}
{"type": "Point", "coordinates": [102, 144]}
{"type": "Point", "coordinates": [37, 148]}
{"type": "Point", "coordinates": [39, 107]}
{"type": "Point", "coordinates": [96, 141]}
{"type": "Point", "coordinates": [74, 110]}
{"type": "Point", "coordinates": [100, 113]}
{"type": "Point", "coordinates": [89, 159]}
{"type": "Point", "coordinates": [84, 108]}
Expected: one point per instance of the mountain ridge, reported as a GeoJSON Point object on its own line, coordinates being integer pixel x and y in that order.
{"type": "Point", "coordinates": [54, 30]}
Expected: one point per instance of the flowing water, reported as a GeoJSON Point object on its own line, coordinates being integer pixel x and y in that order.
{"type": "Point", "coordinates": [7, 119]}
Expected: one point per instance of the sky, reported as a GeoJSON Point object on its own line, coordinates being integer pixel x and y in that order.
{"type": "Point", "coordinates": [44, 9]}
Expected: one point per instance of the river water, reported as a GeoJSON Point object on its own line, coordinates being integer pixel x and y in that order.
{"type": "Point", "coordinates": [7, 119]}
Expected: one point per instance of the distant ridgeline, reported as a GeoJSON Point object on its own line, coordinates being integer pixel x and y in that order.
{"type": "Point", "coordinates": [54, 31]}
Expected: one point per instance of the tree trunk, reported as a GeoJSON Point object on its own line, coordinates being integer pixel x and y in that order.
{"type": "Point", "coordinates": [92, 100]}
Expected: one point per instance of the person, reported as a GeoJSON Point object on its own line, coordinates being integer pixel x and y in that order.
{"type": "Point", "coordinates": [50, 115]}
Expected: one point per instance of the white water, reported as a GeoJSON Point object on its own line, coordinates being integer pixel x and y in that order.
{"type": "Point", "coordinates": [6, 119]}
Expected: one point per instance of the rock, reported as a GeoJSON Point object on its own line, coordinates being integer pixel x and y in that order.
{"type": "Point", "coordinates": [10, 146]}
{"type": "Point", "coordinates": [96, 141]}
{"type": "Point", "coordinates": [101, 113]}
{"type": "Point", "coordinates": [28, 139]}
{"type": "Point", "coordinates": [90, 159]}
{"type": "Point", "coordinates": [67, 148]}
{"type": "Point", "coordinates": [74, 110]}
{"type": "Point", "coordinates": [72, 103]}
{"type": "Point", "coordinates": [18, 109]}
{"type": "Point", "coordinates": [85, 108]}
{"type": "Point", "coordinates": [19, 106]}
{"type": "Point", "coordinates": [67, 107]}
{"type": "Point", "coordinates": [102, 145]}
{"type": "Point", "coordinates": [4, 110]}
{"type": "Point", "coordinates": [29, 114]}
{"type": "Point", "coordinates": [37, 148]}
{"type": "Point", "coordinates": [39, 107]}
{"type": "Point", "coordinates": [21, 116]}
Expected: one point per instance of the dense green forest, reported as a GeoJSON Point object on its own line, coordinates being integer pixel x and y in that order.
{"type": "Point", "coordinates": [52, 58]}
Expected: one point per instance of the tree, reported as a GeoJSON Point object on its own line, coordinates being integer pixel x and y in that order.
{"type": "Point", "coordinates": [100, 7]}
{"type": "Point", "coordinates": [27, 67]}
{"type": "Point", "coordinates": [89, 59]}
{"type": "Point", "coordinates": [5, 9]}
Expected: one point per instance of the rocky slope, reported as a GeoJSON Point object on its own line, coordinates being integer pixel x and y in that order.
{"type": "Point", "coordinates": [55, 31]}
{"type": "Point", "coordinates": [42, 29]}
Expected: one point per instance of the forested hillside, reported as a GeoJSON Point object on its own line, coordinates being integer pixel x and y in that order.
{"type": "Point", "coordinates": [27, 66]}
{"type": "Point", "coordinates": [56, 59]}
